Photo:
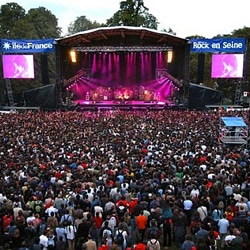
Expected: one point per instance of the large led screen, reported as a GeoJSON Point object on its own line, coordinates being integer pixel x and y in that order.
{"type": "Point", "coordinates": [18, 66]}
{"type": "Point", "coordinates": [227, 66]}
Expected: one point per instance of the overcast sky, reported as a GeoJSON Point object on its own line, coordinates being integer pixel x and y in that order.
{"type": "Point", "coordinates": [185, 18]}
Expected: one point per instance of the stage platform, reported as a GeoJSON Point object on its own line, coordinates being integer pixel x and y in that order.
{"type": "Point", "coordinates": [234, 140]}
{"type": "Point", "coordinates": [124, 105]}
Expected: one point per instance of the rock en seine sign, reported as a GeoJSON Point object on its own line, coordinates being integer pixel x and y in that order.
{"type": "Point", "coordinates": [218, 45]}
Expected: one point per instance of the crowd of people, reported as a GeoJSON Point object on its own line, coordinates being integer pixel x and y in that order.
{"type": "Point", "coordinates": [109, 180]}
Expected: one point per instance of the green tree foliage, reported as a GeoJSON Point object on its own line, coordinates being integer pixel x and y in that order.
{"type": "Point", "coordinates": [12, 17]}
{"type": "Point", "coordinates": [82, 23]}
{"type": "Point", "coordinates": [245, 32]}
{"type": "Point", "coordinates": [133, 13]}
{"type": "Point", "coordinates": [170, 31]}
{"type": "Point", "coordinates": [46, 26]}
{"type": "Point", "coordinates": [44, 23]}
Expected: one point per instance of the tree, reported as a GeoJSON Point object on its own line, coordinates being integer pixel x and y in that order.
{"type": "Point", "coordinates": [44, 23]}
{"type": "Point", "coordinates": [46, 26]}
{"type": "Point", "coordinates": [81, 24]}
{"type": "Point", "coordinates": [133, 13]}
{"type": "Point", "coordinates": [245, 32]}
{"type": "Point", "coordinates": [12, 20]}
{"type": "Point", "coordinates": [170, 31]}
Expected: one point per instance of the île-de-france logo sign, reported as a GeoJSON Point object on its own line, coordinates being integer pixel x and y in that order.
{"type": "Point", "coordinates": [6, 46]}
{"type": "Point", "coordinates": [27, 46]}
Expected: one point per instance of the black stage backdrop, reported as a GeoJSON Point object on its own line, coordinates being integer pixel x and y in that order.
{"type": "Point", "coordinates": [45, 97]}
{"type": "Point", "coordinates": [200, 96]}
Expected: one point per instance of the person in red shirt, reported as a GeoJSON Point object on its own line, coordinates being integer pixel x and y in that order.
{"type": "Point", "coordinates": [209, 184]}
{"type": "Point", "coordinates": [6, 220]}
{"type": "Point", "coordinates": [141, 223]}
{"type": "Point", "coordinates": [58, 174]}
{"type": "Point", "coordinates": [98, 220]}
{"type": "Point", "coordinates": [140, 246]}
{"type": "Point", "coordinates": [103, 245]}
{"type": "Point", "coordinates": [132, 204]}
{"type": "Point", "coordinates": [122, 202]}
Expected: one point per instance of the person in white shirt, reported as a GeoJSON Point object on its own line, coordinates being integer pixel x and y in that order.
{"type": "Point", "coordinates": [229, 238]}
{"type": "Point", "coordinates": [195, 192]}
{"type": "Point", "coordinates": [202, 210]}
{"type": "Point", "coordinates": [70, 236]}
{"type": "Point", "coordinates": [223, 229]}
{"type": "Point", "coordinates": [30, 218]}
{"type": "Point", "coordinates": [241, 204]}
{"type": "Point", "coordinates": [98, 209]}
{"type": "Point", "coordinates": [2, 198]}
{"type": "Point", "coordinates": [153, 244]}
{"type": "Point", "coordinates": [61, 232]}
{"type": "Point", "coordinates": [43, 240]}
{"type": "Point", "coordinates": [51, 209]}
{"type": "Point", "coordinates": [188, 204]}
{"type": "Point", "coordinates": [16, 209]}
{"type": "Point", "coordinates": [112, 191]}
{"type": "Point", "coordinates": [90, 195]}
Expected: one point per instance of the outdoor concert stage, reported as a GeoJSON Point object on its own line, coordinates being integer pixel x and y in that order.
{"type": "Point", "coordinates": [81, 105]}
{"type": "Point", "coordinates": [122, 68]}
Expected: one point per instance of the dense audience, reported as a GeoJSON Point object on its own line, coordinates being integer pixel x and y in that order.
{"type": "Point", "coordinates": [118, 179]}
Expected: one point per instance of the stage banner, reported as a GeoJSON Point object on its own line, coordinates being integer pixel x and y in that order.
{"type": "Point", "coordinates": [225, 45]}
{"type": "Point", "coordinates": [27, 46]}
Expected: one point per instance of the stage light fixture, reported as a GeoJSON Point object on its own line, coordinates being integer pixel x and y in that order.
{"type": "Point", "coordinates": [169, 56]}
{"type": "Point", "coordinates": [164, 73]}
{"type": "Point", "coordinates": [73, 56]}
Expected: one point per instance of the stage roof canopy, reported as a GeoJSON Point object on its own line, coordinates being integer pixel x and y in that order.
{"type": "Point", "coordinates": [233, 121]}
{"type": "Point", "coordinates": [121, 36]}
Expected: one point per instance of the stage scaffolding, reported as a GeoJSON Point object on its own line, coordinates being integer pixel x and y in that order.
{"type": "Point", "coordinates": [233, 131]}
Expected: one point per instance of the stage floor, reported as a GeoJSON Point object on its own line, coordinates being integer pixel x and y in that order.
{"type": "Point", "coordinates": [124, 105]}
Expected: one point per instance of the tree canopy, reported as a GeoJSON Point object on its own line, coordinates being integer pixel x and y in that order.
{"type": "Point", "coordinates": [82, 23]}
{"type": "Point", "coordinates": [133, 13]}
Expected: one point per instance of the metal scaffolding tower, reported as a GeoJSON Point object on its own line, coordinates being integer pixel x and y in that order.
{"type": "Point", "coordinates": [9, 92]}
{"type": "Point", "coordinates": [238, 92]}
